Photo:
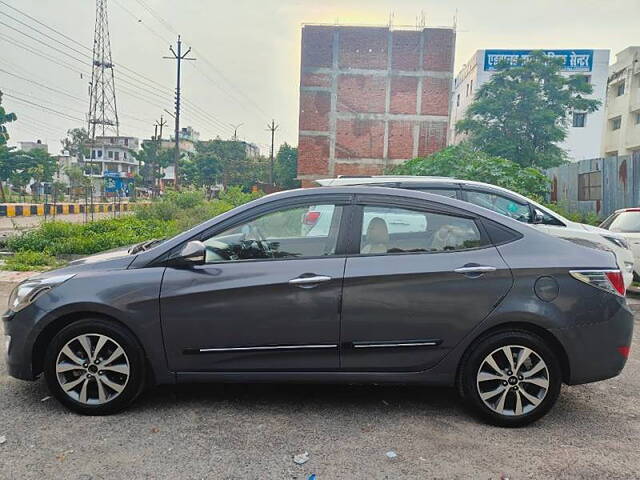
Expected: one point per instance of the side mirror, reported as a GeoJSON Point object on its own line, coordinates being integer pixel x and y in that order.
{"type": "Point", "coordinates": [538, 216]}
{"type": "Point", "coordinates": [192, 253]}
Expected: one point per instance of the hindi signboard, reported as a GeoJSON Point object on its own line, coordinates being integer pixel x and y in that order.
{"type": "Point", "coordinates": [572, 60]}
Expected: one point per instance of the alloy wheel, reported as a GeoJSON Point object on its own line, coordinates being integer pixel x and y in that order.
{"type": "Point", "coordinates": [92, 369]}
{"type": "Point", "coordinates": [513, 380]}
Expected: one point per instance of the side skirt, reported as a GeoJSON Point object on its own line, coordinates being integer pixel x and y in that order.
{"type": "Point", "coordinates": [420, 378]}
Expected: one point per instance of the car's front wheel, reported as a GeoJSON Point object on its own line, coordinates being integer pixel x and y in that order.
{"type": "Point", "coordinates": [94, 367]}
{"type": "Point", "coordinates": [511, 378]}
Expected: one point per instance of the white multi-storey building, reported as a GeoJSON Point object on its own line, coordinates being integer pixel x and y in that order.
{"type": "Point", "coordinates": [114, 155]}
{"type": "Point", "coordinates": [622, 129]}
{"type": "Point", "coordinates": [585, 136]}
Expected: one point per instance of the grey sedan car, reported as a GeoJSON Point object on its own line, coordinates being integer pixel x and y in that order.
{"type": "Point", "coordinates": [398, 287]}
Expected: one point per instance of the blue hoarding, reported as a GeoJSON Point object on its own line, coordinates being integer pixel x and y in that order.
{"type": "Point", "coordinates": [573, 60]}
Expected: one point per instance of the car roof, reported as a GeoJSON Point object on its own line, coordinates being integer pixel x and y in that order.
{"type": "Point", "coordinates": [435, 181]}
{"type": "Point", "coordinates": [628, 209]}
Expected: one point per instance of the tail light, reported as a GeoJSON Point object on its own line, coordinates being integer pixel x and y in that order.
{"type": "Point", "coordinates": [609, 280]}
{"type": "Point", "coordinates": [624, 351]}
{"type": "Point", "coordinates": [311, 218]}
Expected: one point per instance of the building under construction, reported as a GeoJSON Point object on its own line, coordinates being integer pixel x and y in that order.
{"type": "Point", "coordinates": [371, 97]}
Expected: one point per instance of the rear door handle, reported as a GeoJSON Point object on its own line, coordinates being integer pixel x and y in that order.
{"type": "Point", "coordinates": [302, 281]}
{"type": "Point", "coordinates": [477, 269]}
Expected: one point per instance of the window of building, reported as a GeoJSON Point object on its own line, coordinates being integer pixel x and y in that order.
{"type": "Point", "coordinates": [117, 155]}
{"type": "Point", "coordinates": [387, 230]}
{"type": "Point", "coordinates": [620, 89]}
{"type": "Point", "coordinates": [590, 186]}
{"type": "Point", "coordinates": [113, 140]}
{"type": "Point", "coordinates": [110, 154]}
{"type": "Point", "coordinates": [637, 118]}
{"type": "Point", "coordinates": [99, 153]}
{"type": "Point", "coordinates": [458, 101]}
{"type": "Point", "coordinates": [126, 141]}
{"type": "Point", "coordinates": [298, 232]}
{"type": "Point", "coordinates": [471, 87]}
{"type": "Point", "coordinates": [616, 123]}
{"type": "Point", "coordinates": [467, 86]}
{"type": "Point", "coordinates": [579, 119]}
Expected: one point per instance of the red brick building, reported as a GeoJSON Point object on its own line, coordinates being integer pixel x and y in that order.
{"type": "Point", "coordinates": [371, 97]}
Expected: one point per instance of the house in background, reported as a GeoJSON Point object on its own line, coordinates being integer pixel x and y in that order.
{"type": "Point", "coordinates": [584, 138]}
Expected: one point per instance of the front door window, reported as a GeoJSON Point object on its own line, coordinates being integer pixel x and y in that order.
{"type": "Point", "coordinates": [293, 232]}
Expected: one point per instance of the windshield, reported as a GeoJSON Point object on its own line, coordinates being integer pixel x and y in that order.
{"type": "Point", "coordinates": [625, 222]}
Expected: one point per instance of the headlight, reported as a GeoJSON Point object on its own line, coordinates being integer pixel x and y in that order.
{"type": "Point", "coordinates": [619, 242]}
{"type": "Point", "coordinates": [26, 293]}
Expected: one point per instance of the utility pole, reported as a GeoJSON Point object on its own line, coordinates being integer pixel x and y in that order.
{"type": "Point", "coordinates": [160, 123]}
{"type": "Point", "coordinates": [158, 141]}
{"type": "Point", "coordinates": [178, 57]}
{"type": "Point", "coordinates": [235, 130]}
{"type": "Point", "coordinates": [272, 127]}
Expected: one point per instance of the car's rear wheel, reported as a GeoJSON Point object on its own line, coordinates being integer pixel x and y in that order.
{"type": "Point", "coordinates": [94, 367]}
{"type": "Point", "coordinates": [511, 378]}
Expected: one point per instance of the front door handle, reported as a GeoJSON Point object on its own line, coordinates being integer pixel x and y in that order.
{"type": "Point", "coordinates": [478, 270]}
{"type": "Point", "coordinates": [302, 281]}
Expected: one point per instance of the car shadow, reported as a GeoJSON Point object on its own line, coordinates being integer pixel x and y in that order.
{"type": "Point", "coordinates": [310, 397]}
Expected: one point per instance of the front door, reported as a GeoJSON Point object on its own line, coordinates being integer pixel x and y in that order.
{"type": "Point", "coordinates": [421, 281]}
{"type": "Point", "coordinates": [267, 297]}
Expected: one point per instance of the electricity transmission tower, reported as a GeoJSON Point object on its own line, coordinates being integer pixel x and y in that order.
{"type": "Point", "coordinates": [103, 114]}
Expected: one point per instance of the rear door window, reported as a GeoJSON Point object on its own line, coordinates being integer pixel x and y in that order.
{"type": "Point", "coordinates": [388, 230]}
{"type": "Point", "coordinates": [500, 204]}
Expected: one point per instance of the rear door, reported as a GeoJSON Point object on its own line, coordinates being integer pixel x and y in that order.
{"type": "Point", "coordinates": [425, 287]}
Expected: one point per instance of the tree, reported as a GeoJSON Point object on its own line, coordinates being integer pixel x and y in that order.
{"type": "Point", "coordinates": [202, 170]}
{"type": "Point", "coordinates": [467, 163]}
{"type": "Point", "coordinates": [286, 167]}
{"type": "Point", "coordinates": [77, 179]}
{"type": "Point", "coordinates": [522, 113]}
{"type": "Point", "coordinates": [232, 155]}
{"type": "Point", "coordinates": [77, 143]}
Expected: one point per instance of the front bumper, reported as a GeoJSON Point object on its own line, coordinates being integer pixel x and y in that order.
{"type": "Point", "coordinates": [19, 349]}
{"type": "Point", "coordinates": [592, 348]}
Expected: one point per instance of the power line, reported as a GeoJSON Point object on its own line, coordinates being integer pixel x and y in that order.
{"type": "Point", "coordinates": [45, 25]}
{"type": "Point", "coordinates": [149, 82]}
{"type": "Point", "coordinates": [41, 33]}
{"type": "Point", "coordinates": [217, 124]}
{"type": "Point", "coordinates": [41, 85]}
{"type": "Point", "coordinates": [171, 29]}
{"type": "Point", "coordinates": [44, 108]}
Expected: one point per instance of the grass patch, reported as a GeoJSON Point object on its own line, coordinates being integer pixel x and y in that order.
{"type": "Point", "coordinates": [30, 261]}
{"type": "Point", "coordinates": [167, 217]}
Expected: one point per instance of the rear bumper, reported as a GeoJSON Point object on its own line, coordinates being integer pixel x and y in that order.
{"type": "Point", "coordinates": [592, 348]}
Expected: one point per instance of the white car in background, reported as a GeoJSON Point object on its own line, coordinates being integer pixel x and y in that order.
{"type": "Point", "coordinates": [626, 222]}
{"type": "Point", "coordinates": [511, 204]}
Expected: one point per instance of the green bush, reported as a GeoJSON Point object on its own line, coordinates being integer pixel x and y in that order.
{"type": "Point", "coordinates": [590, 218]}
{"type": "Point", "coordinates": [63, 238]}
{"type": "Point", "coordinates": [174, 213]}
{"type": "Point", "coordinates": [466, 163]}
{"type": "Point", "coordinates": [29, 261]}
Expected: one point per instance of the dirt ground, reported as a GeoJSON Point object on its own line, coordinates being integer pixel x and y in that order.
{"type": "Point", "coordinates": [253, 432]}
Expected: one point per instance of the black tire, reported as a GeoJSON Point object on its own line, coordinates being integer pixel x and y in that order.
{"type": "Point", "coordinates": [134, 355]}
{"type": "Point", "coordinates": [468, 384]}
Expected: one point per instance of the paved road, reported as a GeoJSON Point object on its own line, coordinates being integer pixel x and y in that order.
{"type": "Point", "coordinates": [253, 431]}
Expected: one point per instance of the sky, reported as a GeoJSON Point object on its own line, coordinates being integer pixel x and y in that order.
{"type": "Point", "coordinates": [247, 53]}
